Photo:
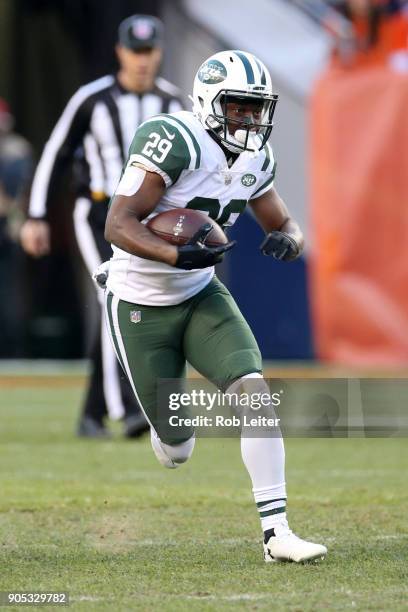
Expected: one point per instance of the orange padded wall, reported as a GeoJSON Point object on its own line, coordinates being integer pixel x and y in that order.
{"type": "Point", "coordinates": [359, 196]}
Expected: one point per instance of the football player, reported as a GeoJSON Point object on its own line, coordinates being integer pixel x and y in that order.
{"type": "Point", "coordinates": [164, 304]}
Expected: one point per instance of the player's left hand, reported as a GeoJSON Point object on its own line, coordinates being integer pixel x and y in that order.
{"type": "Point", "coordinates": [281, 246]}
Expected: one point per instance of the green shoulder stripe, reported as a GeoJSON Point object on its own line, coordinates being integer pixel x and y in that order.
{"type": "Point", "coordinates": [267, 161]}
{"type": "Point", "coordinates": [162, 144]}
{"type": "Point", "coordinates": [193, 138]}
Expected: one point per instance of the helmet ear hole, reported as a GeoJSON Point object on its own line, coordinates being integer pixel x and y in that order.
{"type": "Point", "coordinates": [201, 100]}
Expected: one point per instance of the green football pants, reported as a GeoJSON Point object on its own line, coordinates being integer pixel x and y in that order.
{"type": "Point", "coordinates": [154, 342]}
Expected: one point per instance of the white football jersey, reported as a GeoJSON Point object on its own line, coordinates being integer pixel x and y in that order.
{"type": "Point", "coordinates": [196, 173]}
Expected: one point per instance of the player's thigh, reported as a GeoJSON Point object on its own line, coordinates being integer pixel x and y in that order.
{"type": "Point", "coordinates": [218, 341]}
{"type": "Point", "coordinates": [147, 341]}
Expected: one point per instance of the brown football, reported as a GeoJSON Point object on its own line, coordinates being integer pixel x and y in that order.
{"type": "Point", "coordinates": [179, 225]}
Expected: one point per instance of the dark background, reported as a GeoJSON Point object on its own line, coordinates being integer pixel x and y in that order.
{"type": "Point", "coordinates": [47, 50]}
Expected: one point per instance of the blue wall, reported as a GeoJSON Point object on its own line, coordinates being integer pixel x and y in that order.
{"type": "Point", "coordinates": [271, 295]}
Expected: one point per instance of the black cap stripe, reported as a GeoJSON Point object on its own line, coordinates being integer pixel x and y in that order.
{"type": "Point", "coordinates": [247, 66]}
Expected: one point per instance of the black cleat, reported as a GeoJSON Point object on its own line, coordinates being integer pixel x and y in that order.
{"type": "Point", "coordinates": [135, 425]}
{"type": "Point", "coordinates": [90, 428]}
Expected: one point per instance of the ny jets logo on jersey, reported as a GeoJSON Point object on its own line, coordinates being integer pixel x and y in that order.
{"type": "Point", "coordinates": [168, 134]}
{"type": "Point", "coordinates": [248, 180]}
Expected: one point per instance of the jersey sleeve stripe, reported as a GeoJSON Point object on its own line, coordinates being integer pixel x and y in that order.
{"type": "Point", "coordinates": [263, 189]}
{"type": "Point", "coordinates": [151, 166]}
{"type": "Point", "coordinates": [192, 137]}
{"type": "Point", "coordinates": [267, 158]}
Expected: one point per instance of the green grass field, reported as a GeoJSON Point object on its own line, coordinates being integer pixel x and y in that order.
{"type": "Point", "coordinates": [104, 521]}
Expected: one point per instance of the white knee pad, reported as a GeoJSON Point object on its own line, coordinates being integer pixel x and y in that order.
{"type": "Point", "coordinates": [171, 456]}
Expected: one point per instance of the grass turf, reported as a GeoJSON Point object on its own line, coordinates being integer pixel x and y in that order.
{"type": "Point", "coordinates": [104, 521]}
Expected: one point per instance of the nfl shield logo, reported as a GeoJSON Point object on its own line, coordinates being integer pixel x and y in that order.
{"type": "Point", "coordinates": [142, 29]}
{"type": "Point", "coordinates": [135, 316]}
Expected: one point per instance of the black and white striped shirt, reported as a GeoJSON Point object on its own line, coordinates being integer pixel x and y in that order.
{"type": "Point", "coordinates": [100, 119]}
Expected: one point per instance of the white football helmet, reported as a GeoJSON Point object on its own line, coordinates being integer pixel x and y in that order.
{"type": "Point", "coordinates": [228, 76]}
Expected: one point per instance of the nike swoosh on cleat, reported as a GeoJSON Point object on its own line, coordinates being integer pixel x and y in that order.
{"type": "Point", "coordinates": [169, 136]}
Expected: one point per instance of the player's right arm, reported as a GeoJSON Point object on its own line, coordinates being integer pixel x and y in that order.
{"type": "Point", "coordinates": [158, 155]}
{"type": "Point", "coordinates": [124, 228]}
{"type": "Point", "coordinates": [123, 224]}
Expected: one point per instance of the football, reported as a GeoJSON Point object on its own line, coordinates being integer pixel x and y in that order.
{"type": "Point", "coordinates": [178, 226]}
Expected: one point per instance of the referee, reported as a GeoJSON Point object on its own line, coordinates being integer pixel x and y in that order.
{"type": "Point", "coordinates": [93, 134]}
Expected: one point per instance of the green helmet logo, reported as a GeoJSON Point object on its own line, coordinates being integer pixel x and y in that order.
{"type": "Point", "coordinates": [212, 72]}
{"type": "Point", "coordinates": [248, 180]}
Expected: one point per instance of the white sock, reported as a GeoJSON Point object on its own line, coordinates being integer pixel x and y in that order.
{"type": "Point", "coordinates": [264, 458]}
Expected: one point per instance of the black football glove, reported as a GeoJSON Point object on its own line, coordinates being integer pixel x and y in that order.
{"type": "Point", "coordinates": [195, 254]}
{"type": "Point", "coordinates": [281, 246]}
